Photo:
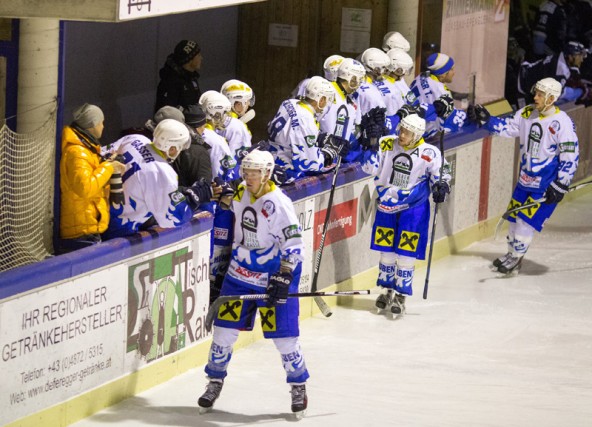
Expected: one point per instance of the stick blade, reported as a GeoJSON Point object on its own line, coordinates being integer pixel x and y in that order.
{"type": "Point", "coordinates": [323, 306]}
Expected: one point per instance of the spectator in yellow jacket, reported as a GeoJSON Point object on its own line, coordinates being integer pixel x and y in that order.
{"type": "Point", "coordinates": [84, 181]}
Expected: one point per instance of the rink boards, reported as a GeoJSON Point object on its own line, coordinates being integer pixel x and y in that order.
{"type": "Point", "coordinates": [82, 331]}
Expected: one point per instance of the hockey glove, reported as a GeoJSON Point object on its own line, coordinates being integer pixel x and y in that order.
{"type": "Point", "coordinates": [478, 114]}
{"type": "Point", "coordinates": [405, 110]}
{"type": "Point", "coordinates": [278, 287]}
{"type": "Point", "coordinates": [279, 175]}
{"type": "Point", "coordinates": [200, 192]}
{"type": "Point", "coordinates": [439, 191]}
{"type": "Point", "coordinates": [555, 192]}
{"type": "Point", "coordinates": [377, 115]}
{"type": "Point", "coordinates": [241, 153]}
{"type": "Point", "coordinates": [226, 194]}
{"type": "Point", "coordinates": [444, 106]}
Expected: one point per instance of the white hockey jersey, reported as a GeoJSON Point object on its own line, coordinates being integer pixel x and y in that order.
{"type": "Point", "coordinates": [368, 96]}
{"type": "Point", "coordinates": [328, 121]}
{"type": "Point", "coordinates": [549, 147]}
{"type": "Point", "coordinates": [237, 135]}
{"type": "Point", "coordinates": [222, 159]}
{"type": "Point", "coordinates": [266, 231]}
{"type": "Point", "coordinates": [427, 88]}
{"type": "Point", "coordinates": [293, 136]}
{"type": "Point", "coordinates": [403, 177]}
{"type": "Point", "coordinates": [150, 187]}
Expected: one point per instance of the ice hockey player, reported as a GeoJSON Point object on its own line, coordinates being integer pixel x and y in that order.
{"type": "Point", "coordinates": [407, 171]}
{"type": "Point", "coordinates": [430, 88]}
{"type": "Point", "coordinates": [237, 134]}
{"type": "Point", "coordinates": [371, 101]}
{"type": "Point", "coordinates": [563, 66]}
{"type": "Point", "coordinates": [267, 256]}
{"type": "Point", "coordinates": [549, 154]}
{"type": "Point", "coordinates": [294, 137]}
{"type": "Point", "coordinates": [350, 75]}
{"type": "Point", "coordinates": [330, 67]}
{"type": "Point", "coordinates": [224, 170]}
{"type": "Point", "coordinates": [395, 40]}
{"type": "Point", "coordinates": [150, 185]}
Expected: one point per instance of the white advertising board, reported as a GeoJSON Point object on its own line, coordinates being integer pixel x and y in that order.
{"type": "Point", "coordinates": [135, 9]}
{"type": "Point", "coordinates": [61, 341]}
{"type": "Point", "coordinates": [64, 340]}
{"type": "Point", "coordinates": [305, 212]}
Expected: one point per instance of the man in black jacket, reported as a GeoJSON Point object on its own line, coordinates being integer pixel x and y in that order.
{"type": "Point", "coordinates": [179, 77]}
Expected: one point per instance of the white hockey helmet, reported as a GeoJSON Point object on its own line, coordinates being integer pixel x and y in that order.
{"type": "Point", "coordinates": [550, 87]}
{"type": "Point", "coordinates": [352, 71]}
{"type": "Point", "coordinates": [395, 40]}
{"type": "Point", "coordinates": [414, 124]}
{"type": "Point", "coordinates": [171, 133]}
{"type": "Point", "coordinates": [331, 65]}
{"type": "Point", "coordinates": [237, 91]}
{"type": "Point", "coordinates": [317, 88]}
{"type": "Point", "coordinates": [401, 62]}
{"type": "Point", "coordinates": [216, 106]}
{"type": "Point", "coordinates": [375, 61]}
{"type": "Point", "coordinates": [258, 160]}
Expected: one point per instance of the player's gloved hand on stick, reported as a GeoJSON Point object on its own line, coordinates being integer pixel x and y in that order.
{"type": "Point", "coordinates": [334, 146]}
{"type": "Point", "coordinates": [377, 115]}
{"type": "Point", "coordinates": [200, 192]}
{"type": "Point", "coordinates": [555, 192]}
{"type": "Point", "coordinates": [278, 287]}
{"type": "Point", "coordinates": [439, 191]}
{"type": "Point", "coordinates": [478, 114]}
{"type": "Point", "coordinates": [444, 106]}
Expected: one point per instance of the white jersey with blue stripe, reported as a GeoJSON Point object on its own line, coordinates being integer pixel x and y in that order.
{"type": "Point", "coordinates": [222, 159]}
{"type": "Point", "coordinates": [549, 147]}
{"type": "Point", "coordinates": [427, 88]}
{"type": "Point", "coordinates": [293, 136]}
{"type": "Point", "coordinates": [328, 121]}
{"type": "Point", "coordinates": [404, 176]}
{"type": "Point", "coordinates": [266, 231]}
{"type": "Point", "coordinates": [150, 187]}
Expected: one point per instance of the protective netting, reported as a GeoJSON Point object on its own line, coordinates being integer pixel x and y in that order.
{"type": "Point", "coordinates": [27, 168]}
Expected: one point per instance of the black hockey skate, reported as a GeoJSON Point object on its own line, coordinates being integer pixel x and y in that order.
{"type": "Point", "coordinates": [384, 301]}
{"type": "Point", "coordinates": [213, 389]}
{"type": "Point", "coordinates": [398, 306]}
{"type": "Point", "coordinates": [511, 264]}
{"type": "Point", "coordinates": [499, 261]}
{"type": "Point", "coordinates": [299, 400]}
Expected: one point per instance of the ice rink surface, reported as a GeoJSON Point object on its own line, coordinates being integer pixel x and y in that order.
{"type": "Point", "coordinates": [480, 351]}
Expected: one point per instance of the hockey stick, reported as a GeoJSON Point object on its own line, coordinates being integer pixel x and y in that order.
{"type": "Point", "coordinates": [529, 205]}
{"type": "Point", "coordinates": [340, 130]}
{"type": "Point", "coordinates": [248, 116]}
{"type": "Point", "coordinates": [427, 279]}
{"type": "Point", "coordinates": [218, 302]}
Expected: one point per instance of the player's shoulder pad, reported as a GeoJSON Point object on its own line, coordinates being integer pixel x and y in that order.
{"type": "Point", "coordinates": [387, 143]}
{"type": "Point", "coordinates": [238, 194]}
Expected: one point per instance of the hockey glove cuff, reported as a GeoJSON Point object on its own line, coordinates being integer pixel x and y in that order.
{"type": "Point", "coordinates": [279, 175]}
{"type": "Point", "coordinates": [226, 194]}
{"type": "Point", "coordinates": [555, 192]}
{"type": "Point", "coordinates": [405, 110]}
{"type": "Point", "coordinates": [278, 287]}
{"type": "Point", "coordinates": [439, 191]}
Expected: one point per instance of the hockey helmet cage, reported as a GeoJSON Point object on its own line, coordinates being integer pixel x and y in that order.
{"type": "Point", "coordinates": [415, 124]}
{"type": "Point", "coordinates": [331, 65]}
{"type": "Point", "coordinates": [171, 133]}
{"type": "Point", "coordinates": [237, 91]}
{"type": "Point", "coordinates": [258, 160]}
{"type": "Point", "coordinates": [550, 87]}
{"type": "Point", "coordinates": [375, 61]}
{"type": "Point", "coordinates": [400, 60]}
{"type": "Point", "coordinates": [395, 40]}
{"type": "Point", "coordinates": [318, 87]}
{"type": "Point", "coordinates": [352, 71]}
